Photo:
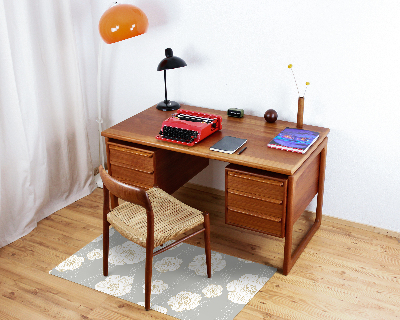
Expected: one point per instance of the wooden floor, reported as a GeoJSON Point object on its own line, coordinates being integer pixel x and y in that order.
{"type": "Point", "coordinates": [344, 273]}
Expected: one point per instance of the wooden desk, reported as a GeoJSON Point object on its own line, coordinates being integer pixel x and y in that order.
{"type": "Point", "coordinates": [135, 156]}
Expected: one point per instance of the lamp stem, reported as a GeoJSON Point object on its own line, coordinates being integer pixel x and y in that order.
{"type": "Point", "coordinates": [99, 119]}
{"type": "Point", "coordinates": [165, 83]}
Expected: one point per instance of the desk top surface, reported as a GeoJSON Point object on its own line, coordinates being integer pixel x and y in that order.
{"type": "Point", "coordinates": [144, 126]}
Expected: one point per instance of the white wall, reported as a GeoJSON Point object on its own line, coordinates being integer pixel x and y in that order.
{"type": "Point", "coordinates": [237, 54]}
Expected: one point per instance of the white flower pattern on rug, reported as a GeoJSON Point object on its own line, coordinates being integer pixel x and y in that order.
{"type": "Point", "coordinates": [199, 264]}
{"type": "Point", "coordinates": [245, 288]}
{"type": "Point", "coordinates": [115, 285]}
{"type": "Point", "coordinates": [184, 301]}
{"type": "Point", "coordinates": [72, 263]}
{"type": "Point", "coordinates": [168, 264]}
{"type": "Point", "coordinates": [157, 287]}
{"type": "Point", "coordinates": [212, 291]}
{"type": "Point", "coordinates": [95, 254]}
{"type": "Point", "coordinates": [127, 253]}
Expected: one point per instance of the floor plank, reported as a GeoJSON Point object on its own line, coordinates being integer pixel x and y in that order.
{"type": "Point", "coordinates": [346, 272]}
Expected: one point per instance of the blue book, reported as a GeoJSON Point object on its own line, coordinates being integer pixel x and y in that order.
{"type": "Point", "coordinates": [294, 140]}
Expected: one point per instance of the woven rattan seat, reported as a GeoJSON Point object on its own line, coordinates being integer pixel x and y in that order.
{"type": "Point", "coordinates": [171, 218]}
{"type": "Point", "coordinates": [149, 219]}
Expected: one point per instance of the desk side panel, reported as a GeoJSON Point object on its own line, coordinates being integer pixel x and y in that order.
{"type": "Point", "coordinates": [306, 182]}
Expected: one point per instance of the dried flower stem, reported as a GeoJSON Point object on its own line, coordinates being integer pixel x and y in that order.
{"type": "Point", "coordinates": [307, 83]}
{"type": "Point", "coordinates": [295, 81]}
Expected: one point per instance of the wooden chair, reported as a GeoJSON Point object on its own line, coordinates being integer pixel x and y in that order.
{"type": "Point", "coordinates": [149, 219]}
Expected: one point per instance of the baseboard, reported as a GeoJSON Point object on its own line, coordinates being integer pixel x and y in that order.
{"type": "Point", "coordinates": [344, 222]}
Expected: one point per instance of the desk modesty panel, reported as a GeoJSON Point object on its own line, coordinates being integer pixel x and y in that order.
{"type": "Point", "coordinates": [144, 126]}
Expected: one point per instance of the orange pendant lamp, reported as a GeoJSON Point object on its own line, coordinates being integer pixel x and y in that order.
{"type": "Point", "coordinates": [122, 21]}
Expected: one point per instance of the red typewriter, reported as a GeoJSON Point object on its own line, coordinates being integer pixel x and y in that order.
{"type": "Point", "coordinates": [189, 127]}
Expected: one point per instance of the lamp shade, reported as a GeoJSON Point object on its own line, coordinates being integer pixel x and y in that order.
{"type": "Point", "coordinates": [122, 21]}
{"type": "Point", "coordinates": [170, 62]}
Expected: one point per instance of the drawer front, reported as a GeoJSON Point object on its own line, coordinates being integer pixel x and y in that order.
{"type": "Point", "coordinates": [267, 208]}
{"type": "Point", "coordinates": [246, 220]}
{"type": "Point", "coordinates": [130, 157]}
{"type": "Point", "coordinates": [256, 184]}
{"type": "Point", "coordinates": [133, 177]}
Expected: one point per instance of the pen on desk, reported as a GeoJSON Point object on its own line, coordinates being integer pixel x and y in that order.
{"type": "Point", "coordinates": [242, 150]}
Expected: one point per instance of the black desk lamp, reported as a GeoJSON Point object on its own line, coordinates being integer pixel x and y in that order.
{"type": "Point", "coordinates": [169, 62]}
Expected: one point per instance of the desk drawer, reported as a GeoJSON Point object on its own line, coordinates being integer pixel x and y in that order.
{"type": "Point", "coordinates": [131, 157]}
{"type": "Point", "coordinates": [268, 208]}
{"type": "Point", "coordinates": [133, 177]}
{"type": "Point", "coordinates": [255, 199]}
{"type": "Point", "coordinates": [252, 221]}
{"type": "Point", "coordinates": [260, 185]}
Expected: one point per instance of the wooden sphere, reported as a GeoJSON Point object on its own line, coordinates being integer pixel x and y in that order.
{"type": "Point", "coordinates": [270, 115]}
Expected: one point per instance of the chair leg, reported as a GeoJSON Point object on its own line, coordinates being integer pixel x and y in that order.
{"type": "Point", "coordinates": [148, 275]}
{"type": "Point", "coordinates": [106, 244]}
{"type": "Point", "coordinates": [207, 244]}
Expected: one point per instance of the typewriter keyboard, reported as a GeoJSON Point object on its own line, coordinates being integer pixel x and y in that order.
{"type": "Point", "coordinates": [178, 134]}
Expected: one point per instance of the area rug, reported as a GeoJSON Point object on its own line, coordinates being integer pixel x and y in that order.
{"type": "Point", "coordinates": [180, 286]}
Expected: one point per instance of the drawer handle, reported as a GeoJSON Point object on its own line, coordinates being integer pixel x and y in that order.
{"type": "Point", "coordinates": [275, 183]}
{"type": "Point", "coordinates": [256, 215]}
{"type": "Point", "coordinates": [140, 153]}
{"type": "Point", "coordinates": [247, 195]}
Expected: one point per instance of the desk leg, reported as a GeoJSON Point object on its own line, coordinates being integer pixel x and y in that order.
{"type": "Point", "coordinates": [289, 259]}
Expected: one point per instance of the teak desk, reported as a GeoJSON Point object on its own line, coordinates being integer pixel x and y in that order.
{"type": "Point", "coordinates": [267, 190]}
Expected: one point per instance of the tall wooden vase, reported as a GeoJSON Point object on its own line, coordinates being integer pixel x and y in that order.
{"type": "Point", "coordinates": [300, 112]}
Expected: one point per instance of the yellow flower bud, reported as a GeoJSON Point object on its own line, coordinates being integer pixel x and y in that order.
{"type": "Point", "coordinates": [289, 66]}
{"type": "Point", "coordinates": [307, 83]}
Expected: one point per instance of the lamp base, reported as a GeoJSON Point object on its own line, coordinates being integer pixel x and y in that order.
{"type": "Point", "coordinates": [168, 105]}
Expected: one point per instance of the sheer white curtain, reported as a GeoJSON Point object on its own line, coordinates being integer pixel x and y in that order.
{"type": "Point", "coordinates": [45, 159]}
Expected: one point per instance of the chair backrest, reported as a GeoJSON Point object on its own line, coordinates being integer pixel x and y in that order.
{"type": "Point", "coordinates": [124, 191]}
